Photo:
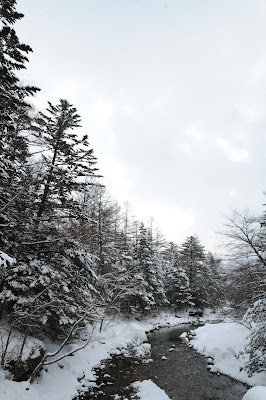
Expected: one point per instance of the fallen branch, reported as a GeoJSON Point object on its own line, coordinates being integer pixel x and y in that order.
{"type": "Point", "coordinates": [55, 353]}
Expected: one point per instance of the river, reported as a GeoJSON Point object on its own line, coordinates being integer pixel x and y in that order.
{"type": "Point", "coordinates": [183, 374]}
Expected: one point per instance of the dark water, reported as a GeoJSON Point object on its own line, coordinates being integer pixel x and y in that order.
{"type": "Point", "coordinates": [183, 375]}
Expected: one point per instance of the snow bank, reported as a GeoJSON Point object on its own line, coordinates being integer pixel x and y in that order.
{"type": "Point", "coordinates": [15, 339]}
{"type": "Point", "coordinates": [225, 343]}
{"type": "Point", "coordinates": [147, 390]}
{"type": "Point", "coordinates": [256, 393]}
{"type": "Point", "coordinates": [10, 390]}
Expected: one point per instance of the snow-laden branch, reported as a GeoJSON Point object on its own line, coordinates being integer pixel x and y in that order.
{"type": "Point", "coordinates": [56, 352]}
{"type": "Point", "coordinates": [14, 198]}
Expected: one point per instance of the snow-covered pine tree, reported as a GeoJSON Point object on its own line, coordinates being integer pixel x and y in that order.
{"type": "Point", "coordinates": [201, 269]}
{"type": "Point", "coordinates": [149, 280]}
{"type": "Point", "coordinates": [177, 283]}
{"type": "Point", "coordinates": [256, 347]}
{"type": "Point", "coordinates": [45, 294]}
{"type": "Point", "coordinates": [214, 283]}
{"type": "Point", "coordinates": [192, 256]}
{"type": "Point", "coordinates": [118, 286]}
{"type": "Point", "coordinates": [15, 174]}
{"type": "Point", "coordinates": [156, 280]}
{"type": "Point", "coordinates": [68, 162]}
{"type": "Point", "coordinates": [13, 57]}
{"type": "Point", "coordinates": [52, 279]}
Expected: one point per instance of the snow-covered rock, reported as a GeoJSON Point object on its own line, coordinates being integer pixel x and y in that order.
{"type": "Point", "coordinates": [20, 355]}
{"type": "Point", "coordinates": [147, 390]}
{"type": "Point", "coordinates": [256, 393]}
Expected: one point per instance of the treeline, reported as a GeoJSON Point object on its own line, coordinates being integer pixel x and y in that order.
{"type": "Point", "coordinates": [74, 251]}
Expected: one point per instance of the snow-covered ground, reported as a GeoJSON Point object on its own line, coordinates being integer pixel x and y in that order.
{"type": "Point", "coordinates": [62, 381]}
{"type": "Point", "coordinates": [256, 393]}
{"type": "Point", "coordinates": [225, 344]}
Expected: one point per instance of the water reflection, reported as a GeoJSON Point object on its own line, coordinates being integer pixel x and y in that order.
{"type": "Point", "coordinates": [165, 335]}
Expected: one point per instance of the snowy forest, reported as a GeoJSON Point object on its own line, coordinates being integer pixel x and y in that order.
{"type": "Point", "coordinates": [70, 255]}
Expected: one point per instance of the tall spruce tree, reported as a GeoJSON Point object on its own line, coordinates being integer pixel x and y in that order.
{"type": "Point", "coordinates": [192, 258]}
{"type": "Point", "coordinates": [68, 161]}
{"type": "Point", "coordinates": [13, 57]}
{"type": "Point", "coordinates": [201, 270]}
{"type": "Point", "coordinates": [216, 291]}
{"type": "Point", "coordinates": [15, 173]}
{"type": "Point", "coordinates": [150, 288]}
{"type": "Point", "coordinates": [177, 286]}
{"type": "Point", "coordinates": [52, 281]}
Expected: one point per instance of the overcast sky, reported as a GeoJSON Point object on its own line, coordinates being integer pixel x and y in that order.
{"type": "Point", "coordinates": [172, 95]}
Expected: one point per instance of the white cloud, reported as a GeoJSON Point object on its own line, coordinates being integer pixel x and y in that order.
{"type": "Point", "coordinates": [101, 111]}
{"type": "Point", "coordinates": [233, 192]}
{"type": "Point", "coordinates": [65, 91]}
{"type": "Point", "coordinates": [250, 113]}
{"type": "Point", "coordinates": [127, 109]}
{"type": "Point", "coordinates": [193, 133]}
{"type": "Point", "coordinates": [174, 221]}
{"type": "Point", "coordinates": [183, 147]}
{"type": "Point", "coordinates": [233, 153]}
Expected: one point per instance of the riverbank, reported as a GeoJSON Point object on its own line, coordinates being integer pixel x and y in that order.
{"type": "Point", "coordinates": [63, 380]}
